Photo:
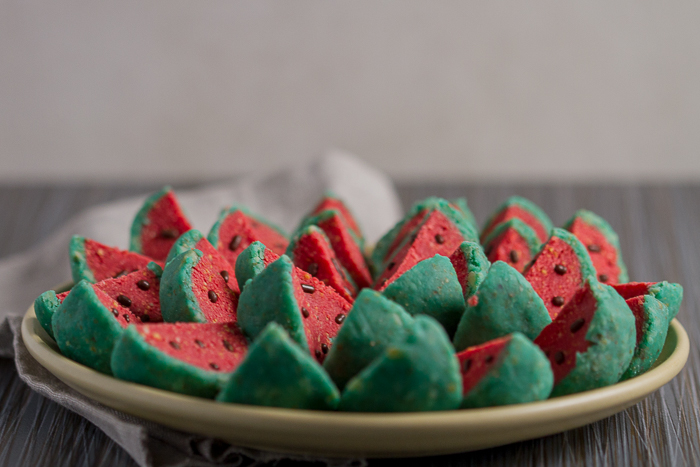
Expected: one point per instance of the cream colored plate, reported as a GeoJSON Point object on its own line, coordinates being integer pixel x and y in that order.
{"type": "Point", "coordinates": [352, 434]}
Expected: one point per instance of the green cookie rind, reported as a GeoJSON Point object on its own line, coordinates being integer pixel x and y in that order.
{"type": "Point", "coordinates": [419, 374]}
{"type": "Point", "coordinates": [78, 262]}
{"type": "Point", "coordinates": [84, 329]}
{"type": "Point", "coordinates": [522, 228]}
{"type": "Point", "coordinates": [477, 266]}
{"type": "Point", "coordinates": [507, 303]}
{"type": "Point", "coordinates": [587, 268]}
{"type": "Point", "coordinates": [610, 235]}
{"type": "Point", "coordinates": [141, 219]}
{"type": "Point", "coordinates": [277, 373]}
{"type": "Point", "coordinates": [177, 299]}
{"type": "Point", "coordinates": [468, 231]}
{"type": "Point", "coordinates": [133, 359]}
{"type": "Point", "coordinates": [373, 324]}
{"type": "Point", "coordinates": [463, 206]}
{"type": "Point", "coordinates": [670, 294]}
{"type": "Point", "coordinates": [156, 269]}
{"type": "Point", "coordinates": [522, 374]}
{"type": "Point", "coordinates": [45, 306]}
{"type": "Point", "coordinates": [270, 297]}
{"type": "Point", "coordinates": [612, 335]}
{"type": "Point", "coordinates": [656, 320]}
{"type": "Point", "coordinates": [432, 288]}
{"type": "Point", "coordinates": [213, 235]}
{"type": "Point", "coordinates": [525, 204]}
{"type": "Point", "coordinates": [185, 242]}
{"type": "Point", "coordinates": [250, 263]}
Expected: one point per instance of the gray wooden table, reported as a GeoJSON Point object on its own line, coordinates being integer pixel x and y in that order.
{"type": "Point", "coordinates": [658, 228]}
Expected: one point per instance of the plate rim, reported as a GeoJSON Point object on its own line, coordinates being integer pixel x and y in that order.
{"type": "Point", "coordinates": [251, 423]}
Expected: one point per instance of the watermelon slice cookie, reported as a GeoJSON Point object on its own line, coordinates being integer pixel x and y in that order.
{"type": "Point", "coordinates": [504, 371]}
{"type": "Point", "coordinates": [420, 373]}
{"type": "Point", "coordinates": [346, 245]}
{"type": "Point", "coordinates": [374, 324]}
{"type": "Point", "coordinates": [602, 243]}
{"type": "Point", "coordinates": [654, 305]}
{"type": "Point", "coordinates": [471, 265]}
{"type": "Point", "coordinates": [193, 289]}
{"type": "Point", "coordinates": [193, 239]}
{"type": "Point", "coordinates": [523, 209]}
{"type": "Point", "coordinates": [437, 235]}
{"type": "Point", "coordinates": [505, 303]}
{"type": "Point", "coordinates": [252, 261]}
{"type": "Point", "coordinates": [591, 341]}
{"type": "Point", "coordinates": [94, 262]}
{"type": "Point", "coordinates": [668, 293]}
{"type": "Point", "coordinates": [513, 242]}
{"type": "Point", "coordinates": [311, 251]}
{"type": "Point", "coordinates": [331, 201]}
{"type": "Point", "coordinates": [157, 225]}
{"type": "Point", "coordinates": [309, 310]}
{"type": "Point", "coordinates": [277, 373]}
{"type": "Point", "coordinates": [392, 240]}
{"type": "Point", "coordinates": [560, 268]}
{"type": "Point", "coordinates": [188, 358]}
{"type": "Point", "coordinates": [236, 228]}
{"type": "Point", "coordinates": [138, 291]}
{"type": "Point", "coordinates": [45, 306]}
{"type": "Point", "coordinates": [431, 288]}
{"type": "Point", "coordinates": [88, 323]}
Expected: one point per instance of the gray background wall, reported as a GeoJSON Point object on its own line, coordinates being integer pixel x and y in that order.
{"type": "Point", "coordinates": [177, 90]}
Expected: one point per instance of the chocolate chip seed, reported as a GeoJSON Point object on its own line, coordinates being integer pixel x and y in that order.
{"type": "Point", "coordinates": [560, 269]}
{"type": "Point", "coordinates": [169, 233]}
{"type": "Point", "coordinates": [308, 288]}
{"type": "Point", "coordinates": [312, 269]}
{"type": "Point", "coordinates": [318, 354]}
{"type": "Point", "coordinates": [577, 325]}
{"type": "Point", "coordinates": [514, 256]}
{"type": "Point", "coordinates": [212, 296]}
{"type": "Point", "coordinates": [340, 318]}
{"type": "Point", "coordinates": [603, 278]}
{"type": "Point", "coordinates": [143, 284]}
{"type": "Point", "coordinates": [126, 317]}
{"type": "Point", "coordinates": [391, 265]}
{"type": "Point", "coordinates": [558, 301]}
{"type": "Point", "coordinates": [439, 239]}
{"type": "Point", "coordinates": [559, 357]}
{"type": "Point", "coordinates": [199, 343]}
{"type": "Point", "coordinates": [593, 248]}
{"type": "Point", "coordinates": [235, 242]}
{"type": "Point", "coordinates": [305, 312]}
{"type": "Point", "coordinates": [466, 365]}
{"type": "Point", "coordinates": [174, 345]}
{"type": "Point", "coordinates": [225, 275]}
{"type": "Point", "coordinates": [214, 366]}
{"type": "Point", "coordinates": [488, 359]}
{"type": "Point", "coordinates": [124, 300]}
{"type": "Point", "coordinates": [324, 348]}
{"type": "Point", "coordinates": [115, 312]}
{"type": "Point", "coordinates": [335, 263]}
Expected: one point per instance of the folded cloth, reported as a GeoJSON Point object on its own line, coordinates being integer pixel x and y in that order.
{"type": "Point", "coordinates": [283, 197]}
